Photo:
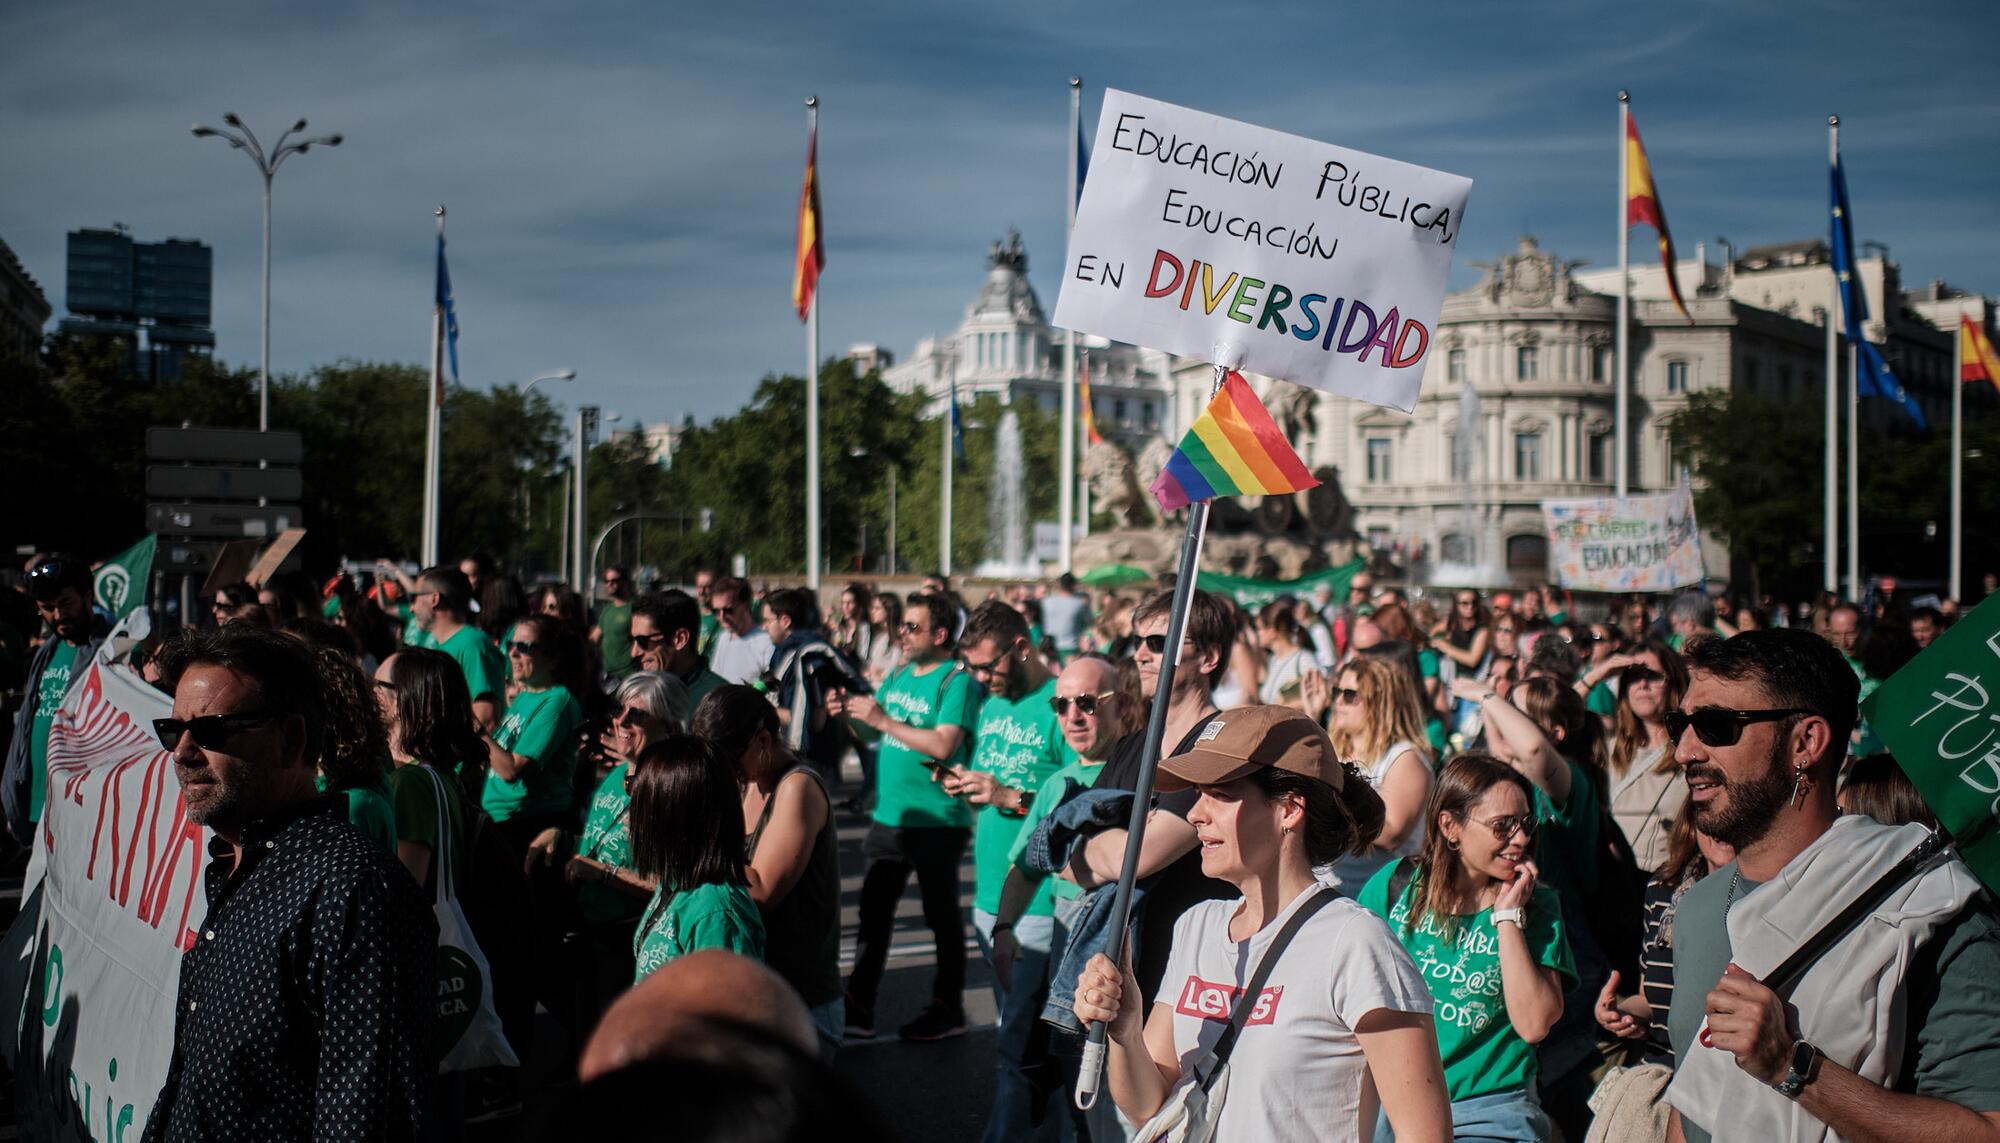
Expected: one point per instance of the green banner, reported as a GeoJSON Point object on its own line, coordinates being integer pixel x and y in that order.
{"type": "Point", "coordinates": [1252, 593]}
{"type": "Point", "coordinates": [123, 580]}
{"type": "Point", "coordinates": [1940, 716]}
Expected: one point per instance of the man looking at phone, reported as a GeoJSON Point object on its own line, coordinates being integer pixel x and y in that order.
{"type": "Point", "coordinates": [925, 712]}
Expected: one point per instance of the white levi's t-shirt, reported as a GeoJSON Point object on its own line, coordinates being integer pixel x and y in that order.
{"type": "Point", "coordinates": [1297, 1071]}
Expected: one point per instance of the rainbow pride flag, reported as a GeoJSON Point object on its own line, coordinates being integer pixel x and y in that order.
{"type": "Point", "coordinates": [1234, 449]}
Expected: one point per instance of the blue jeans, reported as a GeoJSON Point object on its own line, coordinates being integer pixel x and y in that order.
{"type": "Point", "coordinates": [830, 1024]}
{"type": "Point", "coordinates": [1511, 1116]}
{"type": "Point", "coordinates": [1012, 1117]}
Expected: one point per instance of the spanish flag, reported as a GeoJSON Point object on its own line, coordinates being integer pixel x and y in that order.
{"type": "Point", "coordinates": [1090, 433]}
{"type": "Point", "coordinates": [1976, 359]}
{"type": "Point", "coordinates": [1642, 204]}
{"type": "Point", "coordinates": [811, 254]}
{"type": "Point", "coordinates": [1234, 449]}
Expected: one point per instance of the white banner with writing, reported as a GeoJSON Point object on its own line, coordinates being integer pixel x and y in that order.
{"type": "Point", "coordinates": [1313, 263]}
{"type": "Point", "coordinates": [112, 897]}
{"type": "Point", "coordinates": [1640, 543]}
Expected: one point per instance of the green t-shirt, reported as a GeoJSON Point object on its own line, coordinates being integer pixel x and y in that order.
{"type": "Point", "coordinates": [699, 682]}
{"type": "Point", "coordinates": [542, 726]}
{"type": "Point", "coordinates": [415, 798]}
{"type": "Point", "coordinates": [369, 811]}
{"type": "Point", "coordinates": [1084, 772]}
{"type": "Point", "coordinates": [1019, 743]}
{"type": "Point", "coordinates": [484, 666]}
{"type": "Point", "coordinates": [1481, 1051]}
{"type": "Point", "coordinates": [614, 643]}
{"type": "Point", "coordinates": [943, 695]}
{"type": "Point", "coordinates": [48, 699]}
{"type": "Point", "coordinates": [1600, 700]}
{"type": "Point", "coordinates": [712, 916]}
{"type": "Point", "coordinates": [1566, 845]}
{"type": "Point", "coordinates": [607, 837]}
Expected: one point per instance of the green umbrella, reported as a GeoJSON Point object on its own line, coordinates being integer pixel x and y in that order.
{"type": "Point", "coordinates": [1114, 576]}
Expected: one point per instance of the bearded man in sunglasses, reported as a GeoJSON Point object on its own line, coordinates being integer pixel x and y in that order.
{"type": "Point", "coordinates": [307, 996]}
{"type": "Point", "coordinates": [1894, 1030]}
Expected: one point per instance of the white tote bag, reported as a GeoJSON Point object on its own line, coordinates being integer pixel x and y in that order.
{"type": "Point", "coordinates": [468, 1028]}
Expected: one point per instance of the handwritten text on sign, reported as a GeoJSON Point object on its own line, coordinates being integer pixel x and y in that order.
{"type": "Point", "coordinates": [1326, 266]}
{"type": "Point", "coordinates": [1940, 716]}
{"type": "Point", "coordinates": [1640, 543]}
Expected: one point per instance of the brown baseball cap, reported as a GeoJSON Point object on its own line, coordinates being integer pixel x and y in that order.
{"type": "Point", "coordinates": [1237, 742]}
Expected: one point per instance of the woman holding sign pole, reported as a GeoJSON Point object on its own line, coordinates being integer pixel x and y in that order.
{"type": "Point", "coordinates": [1337, 1022]}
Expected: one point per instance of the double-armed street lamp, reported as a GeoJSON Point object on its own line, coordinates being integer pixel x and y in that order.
{"type": "Point", "coordinates": [240, 137]}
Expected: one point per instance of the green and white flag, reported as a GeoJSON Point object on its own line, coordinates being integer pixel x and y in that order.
{"type": "Point", "coordinates": [123, 579]}
{"type": "Point", "coordinates": [1940, 716]}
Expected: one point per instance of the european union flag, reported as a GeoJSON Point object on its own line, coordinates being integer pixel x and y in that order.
{"type": "Point", "coordinates": [444, 304]}
{"type": "Point", "coordinates": [1872, 376]}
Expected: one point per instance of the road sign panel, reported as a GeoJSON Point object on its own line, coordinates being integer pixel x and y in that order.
{"type": "Point", "coordinates": [218, 482]}
{"type": "Point", "coordinates": [232, 521]}
{"type": "Point", "coordinates": [223, 446]}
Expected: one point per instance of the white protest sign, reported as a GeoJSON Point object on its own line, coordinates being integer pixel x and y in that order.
{"type": "Point", "coordinates": [95, 964]}
{"type": "Point", "coordinates": [1640, 543]}
{"type": "Point", "coordinates": [1325, 266]}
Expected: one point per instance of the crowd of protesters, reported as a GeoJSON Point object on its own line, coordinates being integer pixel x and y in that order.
{"type": "Point", "coordinates": [1418, 865]}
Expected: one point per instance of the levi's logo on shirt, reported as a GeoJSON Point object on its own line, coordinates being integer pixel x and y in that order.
{"type": "Point", "coordinates": [1207, 1001]}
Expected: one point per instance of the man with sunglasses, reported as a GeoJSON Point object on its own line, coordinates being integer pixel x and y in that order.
{"type": "Point", "coordinates": [612, 633]}
{"type": "Point", "coordinates": [61, 587]}
{"type": "Point", "coordinates": [665, 639]}
{"type": "Point", "coordinates": [1170, 854]}
{"type": "Point", "coordinates": [307, 995]}
{"type": "Point", "coordinates": [1891, 1033]}
{"type": "Point", "coordinates": [741, 652]}
{"type": "Point", "coordinates": [442, 607]}
{"type": "Point", "coordinates": [925, 712]}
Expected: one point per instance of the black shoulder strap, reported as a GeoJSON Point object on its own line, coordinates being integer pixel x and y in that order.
{"type": "Point", "coordinates": [1247, 1003]}
{"type": "Point", "coordinates": [1406, 871]}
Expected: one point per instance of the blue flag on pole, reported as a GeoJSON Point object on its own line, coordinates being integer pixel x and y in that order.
{"type": "Point", "coordinates": [957, 425]}
{"type": "Point", "coordinates": [444, 304]}
{"type": "Point", "coordinates": [1872, 375]}
{"type": "Point", "coordinates": [1082, 159]}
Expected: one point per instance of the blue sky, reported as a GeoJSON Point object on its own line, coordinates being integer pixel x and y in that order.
{"type": "Point", "coordinates": [622, 177]}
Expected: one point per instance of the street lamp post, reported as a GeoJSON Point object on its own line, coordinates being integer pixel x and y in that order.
{"type": "Point", "coordinates": [527, 493]}
{"type": "Point", "coordinates": [240, 137]}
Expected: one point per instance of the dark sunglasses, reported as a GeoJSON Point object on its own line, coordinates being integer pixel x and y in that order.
{"type": "Point", "coordinates": [1636, 675]}
{"type": "Point", "coordinates": [985, 668]}
{"type": "Point", "coordinates": [1157, 644]}
{"type": "Point", "coordinates": [45, 580]}
{"type": "Point", "coordinates": [210, 731]}
{"type": "Point", "coordinates": [520, 648]}
{"type": "Point", "coordinates": [1720, 726]}
{"type": "Point", "coordinates": [910, 628]}
{"type": "Point", "coordinates": [1506, 827]}
{"type": "Point", "coordinates": [1346, 695]}
{"type": "Point", "coordinates": [648, 642]}
{"type": "Point", "coordinates": [1085, 703]}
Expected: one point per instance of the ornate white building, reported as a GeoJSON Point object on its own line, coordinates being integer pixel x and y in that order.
{"type": "Point", "coordinates": [1005, 346]}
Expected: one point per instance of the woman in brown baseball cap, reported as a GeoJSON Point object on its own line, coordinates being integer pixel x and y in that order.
{"type": "Point", "coordinates": [1341, 1025]}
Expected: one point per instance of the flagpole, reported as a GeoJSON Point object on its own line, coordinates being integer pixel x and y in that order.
{"type": "Point", "coordinates": [1833, 316]}
{"type": "Point", "coordinates": [433, 427]}
{"type": "Point", "coordinates": [1092, 1069]}
{"type": "Point", "coordinates": [1622, 443]}
{"type": "Point", "coordinates": [1853, 472]}
{"type": "Point", "coordinates": [1066, 496]}
{"type": "Point", "coordinates": [812, 397]}
{"type": "Point", "coordinates": [1957, 456]}
{"type": "Point", "coordinates": [1083, 453]}
{"type": "Point", "coordinates": [944, 497]}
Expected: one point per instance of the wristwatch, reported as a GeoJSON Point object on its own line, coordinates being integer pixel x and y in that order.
{"type": "Point", "coordinates": [1803, 1069]}
{"type": "Point", "coordinates": [1512, 917]}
